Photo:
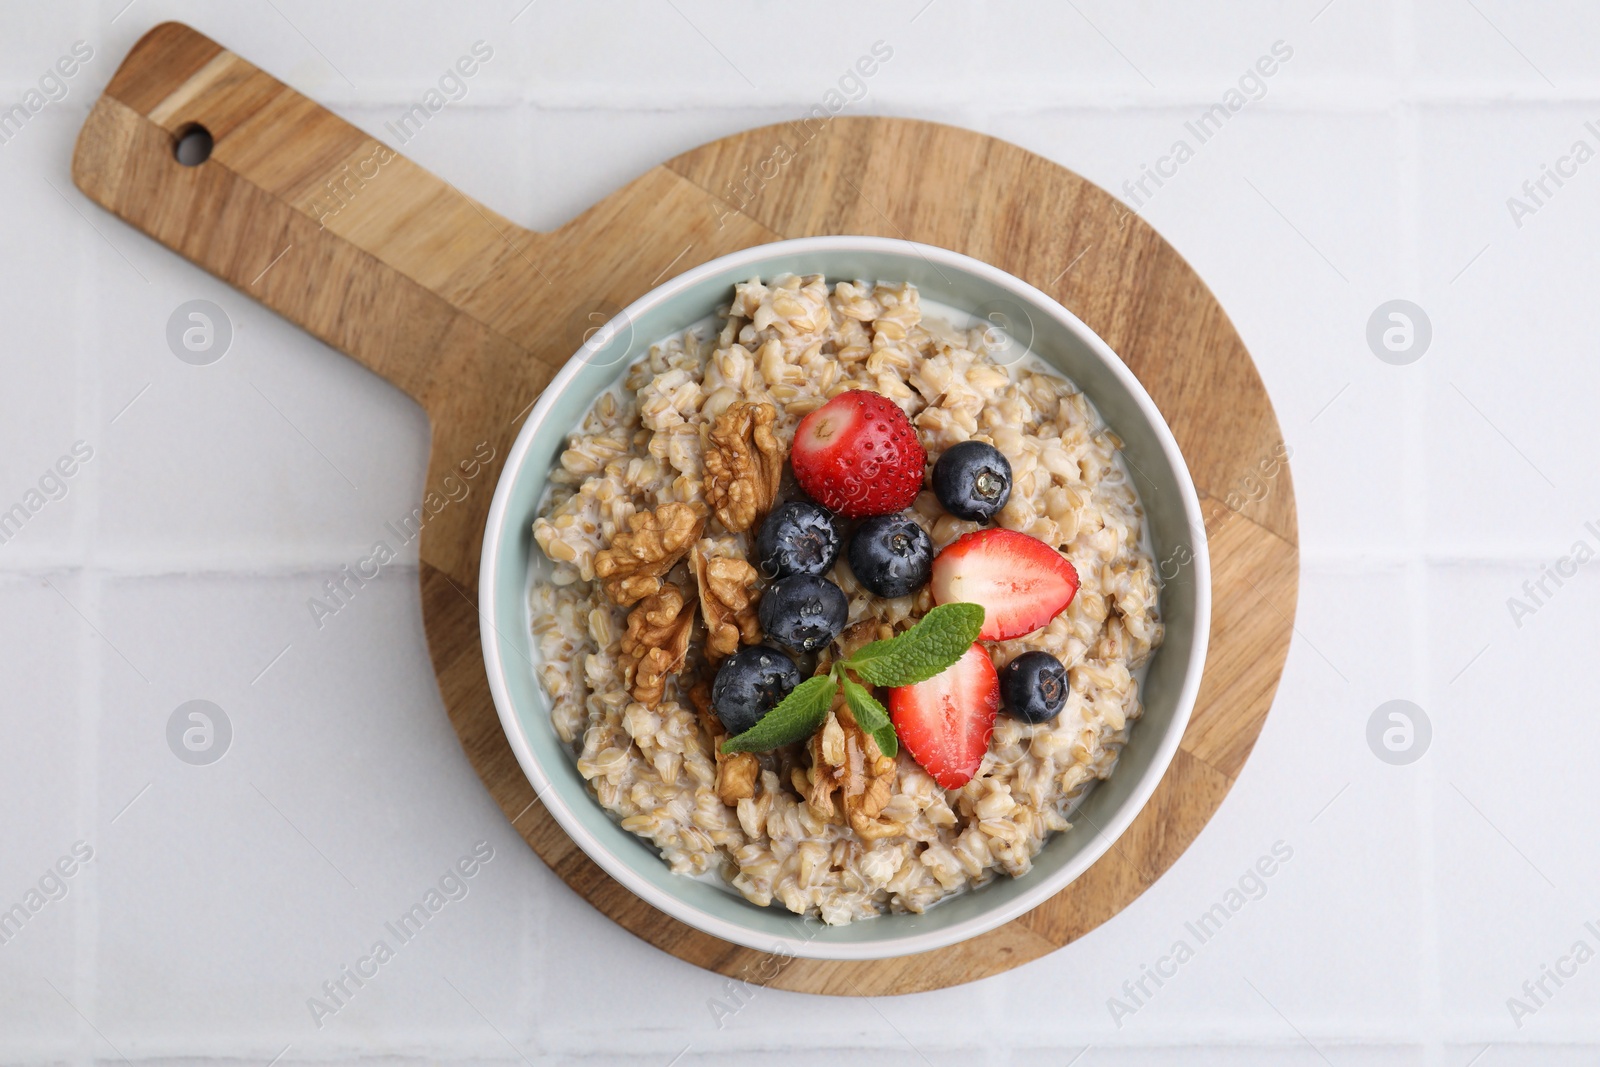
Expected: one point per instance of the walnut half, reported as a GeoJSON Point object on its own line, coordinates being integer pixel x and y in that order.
{"type": "Point", "coordinates": [728, 593]}
{"type": "Point", "coordinates": [868, 782]}
{"type": "Point", "coordinates": [737, 772]}
{"type": "Point", "coordinates": [657, 641]}
{"type": "Point", "coordinates": [744, 463]}
{"type": "Point", "coordinates": [847, 760]}
{"type": "Point", "coordinates": [637, 561]}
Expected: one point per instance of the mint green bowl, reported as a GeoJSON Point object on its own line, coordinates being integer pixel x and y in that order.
{"type": "Point", "coordinates": [511, 561]}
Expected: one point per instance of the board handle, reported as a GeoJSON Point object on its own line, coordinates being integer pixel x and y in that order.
{"type": "Point", "coordinates": [307, 214]}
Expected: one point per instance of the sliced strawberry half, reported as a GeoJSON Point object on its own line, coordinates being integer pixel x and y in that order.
{"type": "Point", "coordinates": [946, 721]}
{"type": "Point", "coordinates": [1021, 582]}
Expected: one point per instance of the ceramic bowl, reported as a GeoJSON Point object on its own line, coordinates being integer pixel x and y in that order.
{"type": "Point", "coordinates": [1033, 321]}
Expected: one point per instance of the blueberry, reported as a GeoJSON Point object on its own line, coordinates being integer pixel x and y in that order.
{"type": "Point", "coordinates": [972, 480]}
{"type": "Point", "coordinates": [891, 555]}
{"type": "Point", "coordinates": [749, 684]}
{"type": "Point", "coordinates": [1033, 687]}
{"type": "Point", "coordinates": [803, 612]}
{"type": "Point", "coordinates": [798, 538]}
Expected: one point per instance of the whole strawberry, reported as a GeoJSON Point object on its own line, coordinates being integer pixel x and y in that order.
{"type": "Point", "coordinates": [858, 455]}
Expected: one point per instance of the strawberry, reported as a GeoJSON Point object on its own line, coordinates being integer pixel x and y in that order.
{"type": "Point", "coordinates": [857, 455]}
{"type": "Point", "coordinates": [1021, 582]}
{"type": "Point", "coordinates": [946, 721]}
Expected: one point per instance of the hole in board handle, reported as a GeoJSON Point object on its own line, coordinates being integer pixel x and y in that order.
{"type": "Point", "coordinates": [193, 146]}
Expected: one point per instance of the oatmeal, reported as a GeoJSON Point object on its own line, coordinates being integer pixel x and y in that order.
{"type": "Point", "coordinates": [657, 590]}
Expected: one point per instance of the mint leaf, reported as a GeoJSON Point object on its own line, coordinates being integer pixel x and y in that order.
{"type": "Point", "coordinates": [939, 638]}
{"type": "Point", "coordinates": [871, 716]}
{"type": "Point", "coordinates": [796, 717]}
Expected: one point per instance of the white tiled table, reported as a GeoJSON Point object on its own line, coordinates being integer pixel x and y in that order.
{"type": "Point", "coordinates": [177, 566]}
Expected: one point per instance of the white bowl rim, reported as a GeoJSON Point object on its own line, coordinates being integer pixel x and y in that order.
{"type": "Point", "coordinates": [1024, 901]}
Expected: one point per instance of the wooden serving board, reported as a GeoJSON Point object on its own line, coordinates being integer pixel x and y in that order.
{"type": "Point", "coordinates": [471, 315]}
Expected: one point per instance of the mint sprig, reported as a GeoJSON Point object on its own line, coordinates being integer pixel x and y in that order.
{"type": "Point", "coordinates": [796, 717]}
{"type": "Point", "coordinates": [939, 638]}
{"type": "Point", "coordinates": [871, 716]}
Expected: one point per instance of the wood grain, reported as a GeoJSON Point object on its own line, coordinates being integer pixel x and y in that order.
{"type": "Point", "coordinates": [471, 315]}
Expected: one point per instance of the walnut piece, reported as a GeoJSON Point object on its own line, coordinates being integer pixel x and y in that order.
{"type": "Point", "coordinates": [637, 561]}
{"type": "Point", "coordinates": [868, 782]}
{"type": "Point", "coordinates": [847, 760]}
{"type": "Point", "coordinates": [827, 752]}
{"type": "Point", "coordinates": [728, 594]}
{"type": "Point", "coordinates": [852, 640]}
{"type": "Point", "coordinates": [737, 772]}
{"type": "Point", "coordinates": [657, 641]}
{"type": "Point", "coordinates": [736, 777]}
{"type": "Point", "coordinates": [744, 462]}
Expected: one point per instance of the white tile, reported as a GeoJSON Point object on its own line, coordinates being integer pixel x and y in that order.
{"type": "Point", "coordinates": [1505, 385]}
{"type": "Point", "coordinates": [1498, 45]}
{"type": "Point", "coordinates": [41, 145]}
{"type": "Point", "coordinates": [1350, 891]}
{"type": "Point", "coordinates": [43, 656]}
{"type": "Point", "coordinates": [413, 48]}
{"type": "Point", "coordinates": [693, 51]}
{"type": "Point", "coordinates": [36, 36]}
{"type": "Point", "coordinates": [1514, 893]}
{"type": "Point", "coordinates": [1176, 49]}
{"type": "Point", "coordinates": [668, 999]}
{"type": "Point", "coordinates": [307, 835]}
{"type": "Point", "coordinates": [283, 450]}
{"type": "Point", "coordinates": [42, 298]}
